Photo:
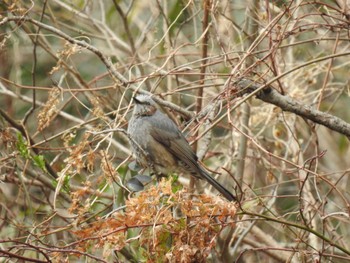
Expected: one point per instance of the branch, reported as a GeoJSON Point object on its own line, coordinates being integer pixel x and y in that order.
{"type": "Point", "coordinates": [109, 65]}
{"type": "Point", "coordinates": [22, 130]}
{"type": "Point", "coordinates": [124, 82]}
{"type": "Point", "coordinates": [286, 103]}
{"type": "Point", "coordinates": [11, 255]}
{"type": "Point", "coordinates": [330, 241]}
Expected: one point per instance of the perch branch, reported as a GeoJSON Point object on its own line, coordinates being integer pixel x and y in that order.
{"type": "Point", "coordinates": [286, 103]}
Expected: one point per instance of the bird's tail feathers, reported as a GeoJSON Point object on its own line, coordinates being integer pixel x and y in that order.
{"type": "Point", "coordinates": [229, 196]}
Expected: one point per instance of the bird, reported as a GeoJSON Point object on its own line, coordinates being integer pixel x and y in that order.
{"type": "Point", "coordinates": [157, 143]}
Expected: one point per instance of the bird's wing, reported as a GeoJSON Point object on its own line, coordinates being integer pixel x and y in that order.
{"type": "Point", "coordinates": [168, 134]}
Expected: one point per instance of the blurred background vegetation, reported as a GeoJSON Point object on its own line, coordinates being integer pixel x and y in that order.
{"type": "Point", "coordinates": [68, 71]}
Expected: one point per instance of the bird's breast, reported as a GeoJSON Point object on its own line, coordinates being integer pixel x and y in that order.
{"type": "Point", "coordinates": [149, 152]}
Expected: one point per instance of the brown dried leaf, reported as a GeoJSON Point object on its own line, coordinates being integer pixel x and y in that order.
{"type": "Point", "coordinates": [49, 110]}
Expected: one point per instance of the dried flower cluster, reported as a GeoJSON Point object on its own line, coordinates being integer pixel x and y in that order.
{"type": "Point", "coordinates": [160, 235]}
{"type": "Point", "coordinates": [49, 110]}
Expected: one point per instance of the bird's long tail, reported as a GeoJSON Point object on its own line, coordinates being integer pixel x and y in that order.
{"type": "Point", "coordinates": [217, 185]}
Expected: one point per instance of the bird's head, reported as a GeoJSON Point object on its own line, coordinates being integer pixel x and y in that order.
{"type": "Point", "coordinates": [144, 105]}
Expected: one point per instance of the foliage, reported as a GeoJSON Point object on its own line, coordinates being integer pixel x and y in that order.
{"type": "Point", "coordinates": [149, 221]}
{"type": "Point", "coordinates": [68, 71]}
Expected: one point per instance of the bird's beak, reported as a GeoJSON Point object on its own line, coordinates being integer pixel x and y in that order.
{"type": "Point", "coordinates": [136, 100]}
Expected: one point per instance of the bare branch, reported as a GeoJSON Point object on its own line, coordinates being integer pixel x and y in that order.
{"type": "Point", "coordinates": [286, 103]}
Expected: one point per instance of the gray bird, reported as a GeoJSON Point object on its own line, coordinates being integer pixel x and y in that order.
{"type": "Point", "coordinates": [158, 143]}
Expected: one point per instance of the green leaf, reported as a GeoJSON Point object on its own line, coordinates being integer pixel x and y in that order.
{"type": "Point", "coordinates": [40, 162]}
{"type": "Point", "coordinates": [175, 184]}
{"type": "Point", "coordinates": [54, 183]}
{"type": "Point", "coordinates": [66, 185]}
{"type": "Point", "coordinates": [22, 146]}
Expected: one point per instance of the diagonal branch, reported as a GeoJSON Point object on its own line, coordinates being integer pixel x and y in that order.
{"type": "Point", "coordinates": [289, 104]}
